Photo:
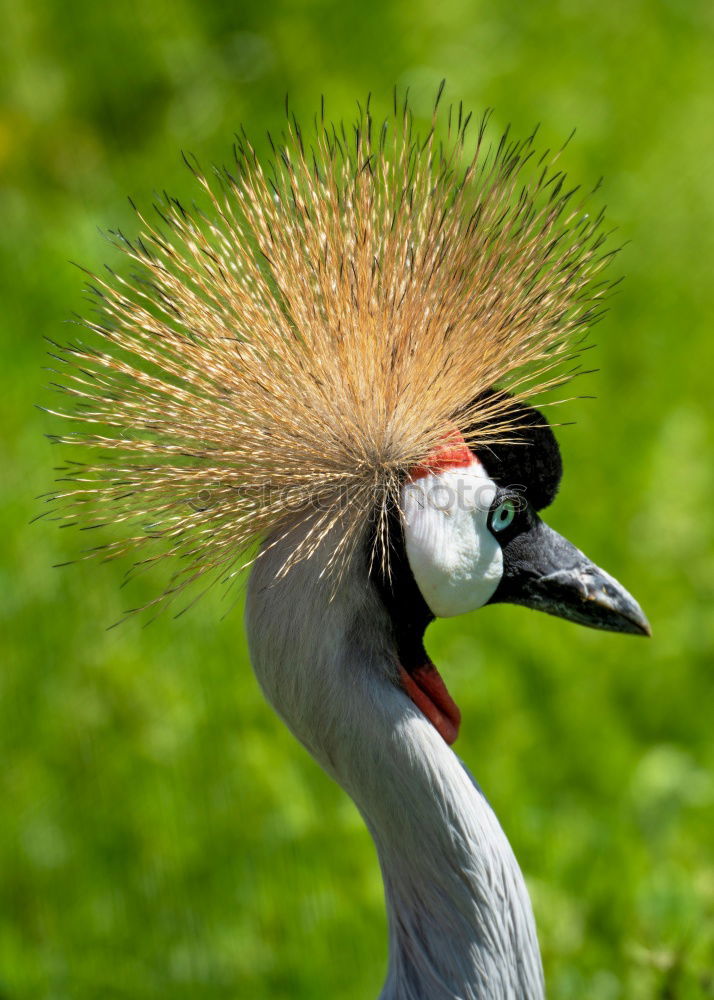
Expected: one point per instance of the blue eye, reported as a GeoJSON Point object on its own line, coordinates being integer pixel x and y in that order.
{"type": "Point", "coordinates": [503, 515]}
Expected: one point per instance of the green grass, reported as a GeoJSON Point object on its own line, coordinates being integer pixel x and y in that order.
{"type": "Point", "coordinates": [161, 835]}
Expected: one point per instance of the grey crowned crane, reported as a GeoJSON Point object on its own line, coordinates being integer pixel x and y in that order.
{"type": "Point", "coordinates": [331, 368]}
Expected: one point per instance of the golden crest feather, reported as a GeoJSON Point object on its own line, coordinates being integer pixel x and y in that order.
{"type": "Point", "coordinates": [314, 332]}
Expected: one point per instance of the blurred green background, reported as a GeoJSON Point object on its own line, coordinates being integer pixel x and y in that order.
{"type": "Point", "coordinates": [161, 834]}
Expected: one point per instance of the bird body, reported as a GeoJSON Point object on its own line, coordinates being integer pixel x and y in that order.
{"type": "Point", "coordinates": [331, 369]}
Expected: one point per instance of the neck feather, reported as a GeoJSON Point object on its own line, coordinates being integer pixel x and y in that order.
{"type": "Point", "coordinates": [460, 922]}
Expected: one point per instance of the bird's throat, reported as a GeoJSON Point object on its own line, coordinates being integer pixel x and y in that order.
{"type": "Point", "coordinates": [427, 690]}
{"type": "Point", "coordinates": [409, 616]}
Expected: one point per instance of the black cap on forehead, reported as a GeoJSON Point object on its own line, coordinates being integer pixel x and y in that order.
{"type": "Point", "coordinates": [532, 461]}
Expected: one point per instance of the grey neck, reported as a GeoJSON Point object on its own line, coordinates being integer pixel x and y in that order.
{"type": "Point", "coordinates": [460, 921]}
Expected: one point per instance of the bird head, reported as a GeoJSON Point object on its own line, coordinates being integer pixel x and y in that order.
{"type": "Point", "coordinates": [313, 351]}
{"type": "Point", "coordinates": [474, 535]}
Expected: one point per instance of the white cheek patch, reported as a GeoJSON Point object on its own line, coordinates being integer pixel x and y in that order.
{"type": "Point", "coordinates": [456, 561]}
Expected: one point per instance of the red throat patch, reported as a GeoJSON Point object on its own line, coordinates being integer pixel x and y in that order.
{"type": "Point", "coordinates": [428, 692]}
{"type": "Point", "coordinates": [454, 453]}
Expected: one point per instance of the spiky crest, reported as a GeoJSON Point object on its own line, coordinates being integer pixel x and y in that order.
{"type": "Point", "coordinates": [317, 331]}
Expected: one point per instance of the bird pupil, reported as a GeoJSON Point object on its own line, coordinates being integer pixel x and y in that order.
{"type": "Point", "coordinates": [504, 515]}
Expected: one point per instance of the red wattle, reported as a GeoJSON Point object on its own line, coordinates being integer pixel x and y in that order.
{"type": "Point", "coordinates": [428, 692]}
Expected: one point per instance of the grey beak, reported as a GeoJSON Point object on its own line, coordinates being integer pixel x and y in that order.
{"type": "Point", "coordinates": [551, 575]}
